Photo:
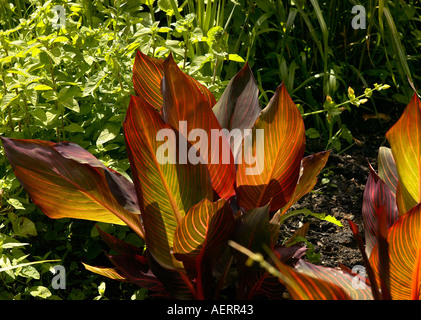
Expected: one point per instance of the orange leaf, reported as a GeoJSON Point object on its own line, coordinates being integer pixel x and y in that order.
{"type": "Point", "coordinates": [273, 173]}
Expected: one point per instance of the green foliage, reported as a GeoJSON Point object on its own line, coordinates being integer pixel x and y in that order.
{"type": "Point", "coordinates": [313, 48]}
{"type": "Point", "coordinates": [333, 112]}
{"type": "Point", "coordinates": [18, 276]}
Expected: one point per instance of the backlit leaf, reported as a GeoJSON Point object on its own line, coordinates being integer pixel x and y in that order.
{"type": "Point", "coordinates": [165, 188]}
{"type": "Point", "coordinates": [404, 244]}
{"type": "Point", "coordinates": [51, 172]}
{"type": "Point", "coordinates": [270, 169]}
{"type": "Point", "coordinates": [147, 76]}
{"type": "Point", "coordinates": [310, 168]}
{"type": "Point", "coordinates": [355, 287]}
{"type": "Point", "coordinates": [405, 140]}
{"type": "Point", "coordinates": [108, 133]}
{"type": "Point", "coordinates": [40, 291]}
{"type": "Point", "coordinates": [111, 273]}
{"type": "Point", "coordinates": [189, 110]}
{"type": "Point", "coordinates": [204, 227]}
{"type": "Point", "coordinates": [41, 87]}
{"type": "Point", "coordinates": [304, 287]}
{"type": "Point", "coordinates": [299, 285]}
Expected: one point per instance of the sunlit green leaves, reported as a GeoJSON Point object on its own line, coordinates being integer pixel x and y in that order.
{"type": "Point", "coordinates": [22, 226]}
{"type": "Point", "coordinates": [14, 263]}
{"type": "Point", "coordinates": [109, 132]}
{"type": "Point", "coordinates": [40, 291]}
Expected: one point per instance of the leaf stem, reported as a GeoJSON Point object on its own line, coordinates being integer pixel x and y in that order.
{"type": "Point", "coordinates": [9, 112]}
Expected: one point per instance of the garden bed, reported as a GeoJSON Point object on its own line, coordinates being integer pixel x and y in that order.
{"type": "Point", "coordinates": [341, 194]}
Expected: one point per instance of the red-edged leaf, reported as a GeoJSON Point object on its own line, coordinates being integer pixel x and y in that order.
{"type": "Point", "coordinates": [269, 169]}
{"type": "Point", "coordinates": [383, 253]}
{"type": "Point", "coordinates": [64, 180]}
{"type": "Point", "coordinates": [376, 195]}
{"type": "Point", "coordinates": [238, 107]}
{"type": "Point", "coordinates": [166, 189]}
{"type": "Point", "coordinates": [201, 237]}
{"type": "Point", "coordinates": [147, 77]}
{"type": "Point", "coordinates": [205, 227]}
{"type": "Point", "coordinates": [404, 246]}
{"type": "Point", "coordinates": [310, 168]}
{"type": "Point", "coordinates": [405, 140]}
{"type": "Point", "coordinates": [274, 225]}
{"type": "Point", "coordinates": [304, 287]}
{"type": "Point", "coordinates": [354, 287]}
{"type": "Point", "coordinates": [188, 110]}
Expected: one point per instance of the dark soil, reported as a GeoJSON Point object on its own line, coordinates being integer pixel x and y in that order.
{"type": "Point", "coordinates": [342, 196]}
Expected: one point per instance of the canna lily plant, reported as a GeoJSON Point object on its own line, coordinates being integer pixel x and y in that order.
{"type": "Point", "coordinates": [193, 185]}
{"type": "Point", "coordinates": [392, 222]}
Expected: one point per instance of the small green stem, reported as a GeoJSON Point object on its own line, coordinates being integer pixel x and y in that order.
{"type": "Point", "coordinates": [214, 71]}
{"type": "Point", "coordinates": [26, 114]}
{"type": "Point", "coordinates": [343, 150]}
{"type": "Point", "coordinates": [9, 112]}
{"type": "Point", "coordinates": [119, 80]}
{"type": "Point", "coordinates": [338, 105]}
{"type": "Point", "coordinates": [151, 9]}
{"type": "Point", "coordinates": [186, 50]}
{"type": "Point", "coordinates": [314, 112]}
{"type": "Point", "coordinates": [53, 80]}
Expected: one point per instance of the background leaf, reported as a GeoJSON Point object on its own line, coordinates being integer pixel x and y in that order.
{"type": "Point", "coordinates": [238, 107]}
